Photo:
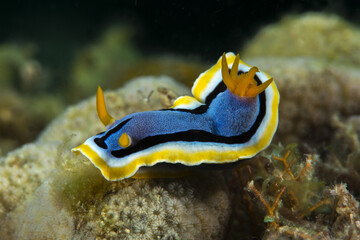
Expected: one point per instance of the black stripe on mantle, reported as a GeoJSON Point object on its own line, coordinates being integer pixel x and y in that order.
{"type": "Point", "coordinates": [196, 135]}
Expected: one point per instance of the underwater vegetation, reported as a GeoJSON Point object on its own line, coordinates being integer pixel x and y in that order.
{"type": "Point", "coordinates": [280, 194]}
{"type": "Point", "coordinates": [304, 186]}
{"type": "Point", "coordinates": [308, 190]}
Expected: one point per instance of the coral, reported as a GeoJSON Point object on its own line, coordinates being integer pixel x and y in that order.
{"type": "Point", "coordinates": [312, 91]}
{"type": "Point", "coordinates": [281, 194]}
{"type": "Point", "coordinates": [84, 205]}
{"type": "Point", "coordinates": [57, 221]}
{"type": "Point", "coordinates": [313, 34]}
{"type": "Point", "coordinates": [191, 208]}
{"type": "Point", "coordinates": [73, 179]}
{"type": "Point", "coordinates": [284, 198]}
{"type": "Point", "coordinates": [21, 172]}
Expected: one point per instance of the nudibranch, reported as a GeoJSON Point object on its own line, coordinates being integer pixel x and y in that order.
{"type": "Point", "coordinates": [232, 117]}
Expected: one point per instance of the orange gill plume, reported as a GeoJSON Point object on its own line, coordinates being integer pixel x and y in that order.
{"type": "Point", "coordinates": [243, 85]}
{"type": "Point", "coordinates": [104, 116]}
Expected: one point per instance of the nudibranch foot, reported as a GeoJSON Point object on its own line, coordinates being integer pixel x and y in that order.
{"type": "Point", "coordinates": [167, 170]}
{"type": "Point", "coordinates": [232, 116]}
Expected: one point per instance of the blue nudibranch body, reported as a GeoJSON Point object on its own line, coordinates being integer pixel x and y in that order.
{"type": "Point", "coordinates": [232, 116]}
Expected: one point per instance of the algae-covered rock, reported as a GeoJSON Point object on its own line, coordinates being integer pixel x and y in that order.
{"type": "Point", "coordinates": [74, 196]}
{"type": "Point", "coordinates": [312, 34]}
{"type": "Point", "coordinates": [21, 172]}
{"type": "Point", "coordinates": [45, 217]}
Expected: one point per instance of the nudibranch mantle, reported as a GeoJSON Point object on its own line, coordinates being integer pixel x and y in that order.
{"type": "Point", "coordinates": [232, 116]}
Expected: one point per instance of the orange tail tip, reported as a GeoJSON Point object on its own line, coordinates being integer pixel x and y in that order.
{"type": "Point", "coordinates": [104, 116]}
{"type": "Point", "coordinates": [77, 150]}
{"type": "Point", "coordinates": [242, 85]}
